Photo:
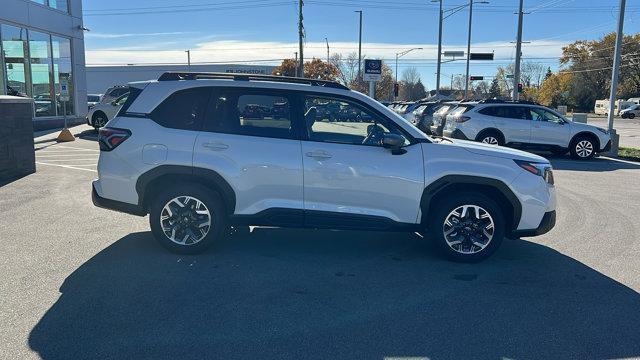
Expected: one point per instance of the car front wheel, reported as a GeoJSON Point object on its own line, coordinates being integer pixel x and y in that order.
{"type": "Point", "coordinates": [467, 227]}
{"type": "Point", "coordinates": [187, 219]}
{"type": "Point", "coordinates": [583, 148]}
{"type": "Point", "coordinates": [631, 115]}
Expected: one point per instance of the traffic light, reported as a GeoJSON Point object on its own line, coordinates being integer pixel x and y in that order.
{"type": "Point", "coordinates": [519, 88]}
{"type": "Point", "coordinates": [396, 89]}
{"type": "Point", "coordinates": [473, 78]}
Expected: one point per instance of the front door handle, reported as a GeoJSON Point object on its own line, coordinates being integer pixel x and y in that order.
{"type": "Point", "coordinates": [319, 154]}
{"type": "Point", "coordinates": [215, 146]}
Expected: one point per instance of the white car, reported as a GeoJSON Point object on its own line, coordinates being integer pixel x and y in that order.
{"type": "Point", "coordinates": [93, 100]}
{"type": "Point", "coordinates": [630, 113]}
{"type": "Point", "coordinates": [102, 112]}
{"type": "Point", "coordinates": [201, 151]}
{"type": "Point", "coordinates": [527, 125]}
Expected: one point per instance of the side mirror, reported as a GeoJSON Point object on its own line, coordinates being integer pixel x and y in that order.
{"type": "Point", "coordinates": [394, 143]}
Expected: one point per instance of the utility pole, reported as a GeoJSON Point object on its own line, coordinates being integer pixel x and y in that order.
{"type": "Point", "coordinates": [327, 41]}
{"type": "Point", "coordinates": [300, 37]}
{"type": "Point", "coordinates": [466, 80]}
{"type": "Point", "coordinates": [188, 59]}
{"type": "Point", "coordinates": [359, 45]}
{"type": "Point", "coordinates": [516, 75]}
{"type": "Point", "coordinates": [614, 77]}
{"type": "Point", "coordinates": [439, 50]}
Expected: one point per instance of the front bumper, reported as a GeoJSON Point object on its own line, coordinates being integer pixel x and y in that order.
{"type": "Point", "coordinates": [115, 205]}
{"type": "Point", "coordinates": [607, 147]}
{"type": "Point", "coordinates": [548, 222]}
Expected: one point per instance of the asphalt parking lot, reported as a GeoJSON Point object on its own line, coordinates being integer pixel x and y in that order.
{"type": "Point", "coordinates": [83, 282]}
{"type": "Point", "coordinates": [628, 129]}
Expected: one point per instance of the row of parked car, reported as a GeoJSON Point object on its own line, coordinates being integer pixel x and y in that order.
{"type": "Point", "coordinates": [520, 124]}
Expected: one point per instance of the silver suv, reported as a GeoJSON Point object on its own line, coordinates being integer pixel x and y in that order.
{"type": "Point", "coordinates": [525, 125]}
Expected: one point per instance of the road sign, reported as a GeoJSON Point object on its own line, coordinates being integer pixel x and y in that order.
{"type": "Point", "coordinates": [481, 56]}
{"type": "Point", "coordinates": [453, 53]}
{"type": "Point", "coordinates": [473, 78]}
{"type": "Point", "coordinates": [509, 76]}
{"type": "Point", "coordinates": [372, 70]}
{"type": "Point", "coordinates": [64, 91]}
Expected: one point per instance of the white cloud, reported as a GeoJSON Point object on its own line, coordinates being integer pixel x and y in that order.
{"type": "Point", "coordinates": [129, 35]}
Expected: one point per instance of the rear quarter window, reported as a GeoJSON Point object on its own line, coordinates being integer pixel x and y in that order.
{"type": "Point", "coordinates": [184, 109]}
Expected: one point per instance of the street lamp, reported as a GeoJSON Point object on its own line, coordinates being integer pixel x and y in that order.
{"type": "Point", "coordinates": [399, 55]}
{"type": "Point", "coordinates": [442, 17]}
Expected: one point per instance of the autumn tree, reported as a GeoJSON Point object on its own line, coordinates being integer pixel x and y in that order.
{"type": "Point", "coordinates": [314, 69]}
{"type": "Point", "coordinates": [556, 90]}
{"type": "Point", "coordinates": [384, 88]}
{"type": "Point", "coordinates": [411, 86]}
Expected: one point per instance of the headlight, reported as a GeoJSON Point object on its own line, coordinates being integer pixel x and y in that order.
{"type": "Point", "coordinates": [604, 131]}
{"type": "Point", "coordinates": [543, 170]}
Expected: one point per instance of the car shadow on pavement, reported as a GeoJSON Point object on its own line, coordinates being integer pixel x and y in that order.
{"type": "Point", "coordinates": [88, 135]}
{"type": "Point", "coordinates": [599, 164]}
{"type": "Point", "coordinates": [294, 294]}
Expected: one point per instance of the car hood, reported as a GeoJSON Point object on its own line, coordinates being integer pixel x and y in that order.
{"type": "Point", "coordinates": [577, 127]}
{"type": "Point", "coordinates": [496, 151]}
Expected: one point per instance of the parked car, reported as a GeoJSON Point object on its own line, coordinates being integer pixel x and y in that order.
{"type": "Point", "coordinates": [93, 100]}
{"type": "Point", "coordinates": [101, 113]}
{"type": "Point", "coordinates": [630, 113]}
{"type": "Point", "coordinates": [440, 116]}
{"type": "Point", "coordinates": [179, 152]}
{"type": "Point", "coordinates": [113, 93]}
{"type": "Point", "coordinates": [423, 115]}
{"type": "Point", "coordinates": [526, 125]}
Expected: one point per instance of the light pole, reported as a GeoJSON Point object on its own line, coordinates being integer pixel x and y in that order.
{"type": "Point", "coordinates": [359, 44]}
{"type": "Point", "coordinates": [327, 41]}
{"type": "Point", "coordinates": [399, 55]}
{"type": "Point", "coordinates": [439, 47]}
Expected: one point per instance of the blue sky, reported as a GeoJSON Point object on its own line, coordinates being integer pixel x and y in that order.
{"type": "Point", "coordinates": [158, 31]}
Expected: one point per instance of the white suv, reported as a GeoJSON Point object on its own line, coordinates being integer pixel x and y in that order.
{"type": "Point", "coordinates": [201, 151]}
{"type": "Point", "coordinates": [526, 125]}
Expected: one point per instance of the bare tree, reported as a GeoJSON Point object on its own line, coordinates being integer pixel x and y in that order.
{"type": "Point", "coordinates": [347, 66]}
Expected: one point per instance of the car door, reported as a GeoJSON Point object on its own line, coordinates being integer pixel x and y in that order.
{"type": "Point", "coordinates": [549, 128]}
{"type": "Point", "coordinates": [350, 180]}
{"type": "Point", "coordinates": [250, 140]}
{"type": "Point", "coordinates": [514, 122]}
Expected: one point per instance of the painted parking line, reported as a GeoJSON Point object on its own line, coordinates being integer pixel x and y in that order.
{"type": "Point", "coordinates": [69, 157]}
{"type": "Point", "coordinates": [66, 166]}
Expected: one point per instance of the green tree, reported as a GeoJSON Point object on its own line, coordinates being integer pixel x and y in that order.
{"type": "Point", "coordinates": [494, 90]}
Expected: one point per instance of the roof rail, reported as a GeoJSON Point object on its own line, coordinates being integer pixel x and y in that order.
{"type": "Point", "coordinates": [499, 101]}
{"type": "Point", "coordinates": [179, 75]}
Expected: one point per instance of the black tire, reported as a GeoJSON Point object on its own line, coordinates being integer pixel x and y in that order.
{"type": "Point", "coordinates": [99, 119]}
{"type": "Point", "coordinates": [436, 226]}
{"type": "Point", "coordinates": [583, 147]}
{"type": "Point", "coordinates": [486, 136]}
{"type": "Point", "coordinates": [213, 203]}
{"type": "Point", "coordinates": [631, 115]}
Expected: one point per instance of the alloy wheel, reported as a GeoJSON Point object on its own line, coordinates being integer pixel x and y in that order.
{"type": "Point", "coordinates": [584, 148]}
{"type": "Point", "coordinates": [185, 220]}
{"type": "Point", "coordinates": [490, 140]}
{"type": "Point", "coordinates": [468, 229]}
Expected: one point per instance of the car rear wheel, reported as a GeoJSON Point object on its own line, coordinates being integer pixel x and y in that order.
{"type": "Point", "coordinates": [99, 120]}
{"type": "Point", "coordinates": [583, 148]}
{"type": "Point", "coordinates": [631, 115]}
{"type": "Point", "coordinates": [187, 219]}
{"type": "Point", "coordinates": [467, 227]}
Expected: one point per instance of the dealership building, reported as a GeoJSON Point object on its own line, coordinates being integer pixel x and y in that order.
{"type": "Point", "coordinates": [43, 46]}
{"type": "Point", "coordinates": [100, 78]}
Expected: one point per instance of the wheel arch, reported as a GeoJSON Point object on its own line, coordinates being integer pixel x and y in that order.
{"type": "Point", "coordinates": [494, 188]}
{"type": "Point", "coordinates": [154, 180]}
{"type": "Point", "coordinates": [588, 134]}
{"type": "Point", "coordinates": [489, 130]}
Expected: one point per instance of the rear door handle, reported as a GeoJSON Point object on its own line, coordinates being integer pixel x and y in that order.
{"type": "Point", "coordinates": [319, 154]}
{"type": "Point", "coordinates": [215, 146]}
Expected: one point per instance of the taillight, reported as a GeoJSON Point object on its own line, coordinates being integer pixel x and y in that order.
{"type": "Point", "coordinates": [110, 138]}
{"type": "Point", "coordinates": [461, 119]}
{"type": "Point", "coordinates": [540, 169]}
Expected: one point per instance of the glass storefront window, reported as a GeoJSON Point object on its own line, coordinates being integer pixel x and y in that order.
{"type": "Point", "coordinates": [62, 71]}
{"type": "Point", "coordinates": [14, 48]}
{"type": "Point", "coordinates": [42, 91]}
{"type": "Point", "coordinates": [62, 5]}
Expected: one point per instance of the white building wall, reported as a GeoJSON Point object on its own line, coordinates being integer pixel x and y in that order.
{"type": "Point", "coordinates": [31, 15]}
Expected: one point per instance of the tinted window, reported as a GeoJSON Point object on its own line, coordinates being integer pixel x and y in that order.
{"type": "Point", "coordinates": [133, 94]}
{"type": "Point", "coordinates": [250, 113]}
{"type": "Point", "coordinates": [538, 114]}
{"type": "Point", "coordinates": [184, 109]}
{"type": "Point", "coordinates": [340, 121]}
{"type": "Point", "coordinates": [511, 112]}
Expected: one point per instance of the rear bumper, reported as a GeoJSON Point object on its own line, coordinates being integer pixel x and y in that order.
{"type": "Point", "coordinates": [456, 134]}
{"type": "Point", "coordinates": [115, 205]}
{"type": "Point", "coordinates": [548, 222]}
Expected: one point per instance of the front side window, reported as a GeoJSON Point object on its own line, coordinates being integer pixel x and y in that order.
{"type": "Point", "coordinates": [183, 109]}
{"type": "Point", "coordinates": [263, 114]}
{"type": "Point", "coordinates": [545, 115]}
{"type": "Point", "coordinates": [344, 122]}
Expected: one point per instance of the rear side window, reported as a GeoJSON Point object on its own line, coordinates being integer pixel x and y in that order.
{"type": "Point", "coordinates": [461, 109]}
{"type": "Point", "coordinates": [183, 109]}
{"type": "Point", "coordinates": [510, 112]}
{"type": "Point", "coordinates": [263, 113]}
{"type": "Point", "coordinates": [131, 97]}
